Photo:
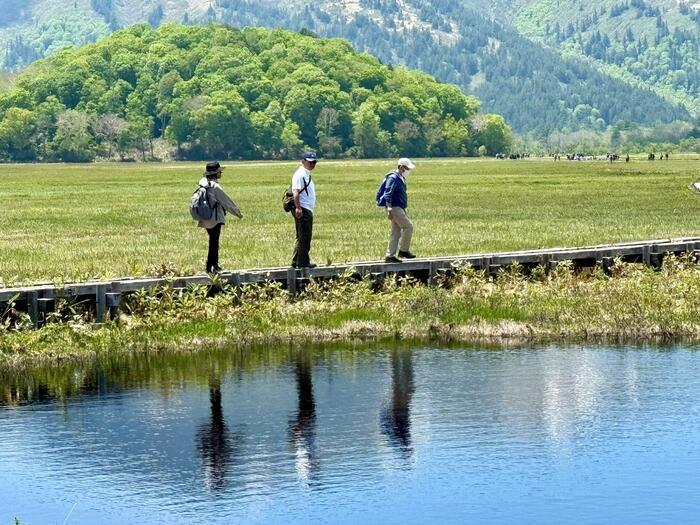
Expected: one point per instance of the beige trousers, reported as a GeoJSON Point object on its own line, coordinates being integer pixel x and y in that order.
{"type": "Point", "coordinates": [401, 230]}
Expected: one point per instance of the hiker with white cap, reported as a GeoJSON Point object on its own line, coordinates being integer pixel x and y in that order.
{"type": "Point", "coordinates": [395, 198]}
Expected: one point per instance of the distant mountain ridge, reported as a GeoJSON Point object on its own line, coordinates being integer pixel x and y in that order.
{"type": "Point", "coordinates": [531, 81]}
{"type": "Point", "coordinates": [653, 43]}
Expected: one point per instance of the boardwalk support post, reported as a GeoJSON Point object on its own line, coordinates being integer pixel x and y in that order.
{"type": "Point", "coordinates": [44, 306]}
{"type": "Point", "coordinates": [100, 303]}
{"type": "Point", "coordinates": [432, 273]}
{"type": "Point", "coordinates": [377, 280]}
{"type": "Point", "coordinates": [607, 264]}
{"type": "Point", "coordinates": [292, 281]}
{"type": "Point", "coordinates": [113, 300]}
{"type": "Point", "coordinates": [33, 307]}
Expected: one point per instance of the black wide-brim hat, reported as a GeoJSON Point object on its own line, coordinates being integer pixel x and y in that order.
{"type": "Point", "coordinates": [213, 168]}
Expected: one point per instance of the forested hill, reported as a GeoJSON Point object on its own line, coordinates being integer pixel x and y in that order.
{"type": "Point", "coordinates": [458, 41]}
{"type": "Point", "coordinates": [218, 92]}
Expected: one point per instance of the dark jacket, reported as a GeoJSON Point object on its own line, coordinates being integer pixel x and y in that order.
{"type": "Point", "coordinates": [395, 192]}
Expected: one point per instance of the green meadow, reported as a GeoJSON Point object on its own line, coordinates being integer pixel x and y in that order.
{"type": "Point", "coordinates": [68, 222]}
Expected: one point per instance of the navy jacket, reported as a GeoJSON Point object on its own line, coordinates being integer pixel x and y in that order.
{"type": "Point", "coordinates": [395, 192]}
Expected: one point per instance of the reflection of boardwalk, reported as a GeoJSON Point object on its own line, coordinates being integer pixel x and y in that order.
{"type": "Point", "coordinates": [214, 441]}
{"type": "Point", "coordinates": [302, 430]}
{"type": "Point", "coordinates": [396, 418]}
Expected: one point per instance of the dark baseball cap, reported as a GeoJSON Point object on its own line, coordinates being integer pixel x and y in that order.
{"type": "Point", "coordinates": [309, 156]}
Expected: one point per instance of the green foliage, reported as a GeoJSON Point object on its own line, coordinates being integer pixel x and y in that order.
{"type": "Point", "coordinates": [536, 89]}
{"type": "Point", "coordinates": [493, 134]}
{"type": "Point", "coordinates": [16, 130]}
{"type": "Point", "coordinates": [73, 140]}
{"type": "Point", "coordinates": [218, 92]}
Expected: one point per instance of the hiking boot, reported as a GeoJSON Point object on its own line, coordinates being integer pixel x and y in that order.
{"type": "Point", "coordinates": [215, 269]}
{"type": "Point", "coordinates": [392, 259]}
{"type": "Point", "coordinates": [407, 255]}
{"type": "Point", "coordinates": [309, 266]}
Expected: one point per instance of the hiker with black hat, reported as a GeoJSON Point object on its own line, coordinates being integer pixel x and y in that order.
{"type": "Point", "coordinates": [220, 204]}
{"type": "Point", "coordinates": [304, 194]}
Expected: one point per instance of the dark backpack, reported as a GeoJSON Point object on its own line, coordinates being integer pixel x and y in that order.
{"type": "Point", "coordinates": [379, 199]}
{"type": "Point", "coordinates": [288, 197]}
{"type": "Point", "coordinates": [201, 208]}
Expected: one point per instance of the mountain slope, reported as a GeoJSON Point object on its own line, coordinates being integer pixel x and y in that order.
{"type": "Point", "coordinates": [647, 43]}
{"type": "Point", "coordinates": [536, 89]}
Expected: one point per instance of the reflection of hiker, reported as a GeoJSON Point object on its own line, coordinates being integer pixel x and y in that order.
{"type": "Point", "coordinates": [396, 420]}
{"type": "Point", "coordinates": [302, 430]}
{"type": "Point", "coordinates": [221, 203]}
{"type": "Point", "coordinates": [304, 193]}
{"type": "Point", "coordinates": [214, 442]}
{"type": "Point", "coordinates": [395, 198]}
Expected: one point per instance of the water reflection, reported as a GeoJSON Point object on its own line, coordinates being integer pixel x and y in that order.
{"type": "Point", "coordinates": [570, 435]}
{"type": "Point", "coordinates": [214, 441]}
{"type": "Point", "coordinates": [395, 419]}
{"type": "Point", "coordinates": [302, 429]}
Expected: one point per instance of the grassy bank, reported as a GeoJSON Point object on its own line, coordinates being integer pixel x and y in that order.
{"type": "Point", "coordinates": [634, 303]}
{"type": "Point", "coordinates": [64, 222]}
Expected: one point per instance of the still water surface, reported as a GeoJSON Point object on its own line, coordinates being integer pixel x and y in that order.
{"type": "Point", "coordinates": [425, 435]}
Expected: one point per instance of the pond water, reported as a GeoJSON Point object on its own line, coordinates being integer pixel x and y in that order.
{"type": "Point", "coordinates": [356, 435]}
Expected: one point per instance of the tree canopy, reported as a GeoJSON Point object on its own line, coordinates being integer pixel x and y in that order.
{"type": "Point", "coordinates": [215, 91]}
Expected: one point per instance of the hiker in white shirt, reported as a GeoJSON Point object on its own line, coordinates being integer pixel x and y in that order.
{"type": "Point", "coordinates": [304, 203]}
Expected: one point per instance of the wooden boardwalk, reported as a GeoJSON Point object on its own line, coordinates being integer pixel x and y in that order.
{"type": "Point", "coordinates": [105, 296]}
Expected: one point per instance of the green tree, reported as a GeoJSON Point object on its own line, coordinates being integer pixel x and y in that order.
{"type": "Point", "coordinates": [73, 141]}
{"type": "Point", "coordinates": [434, 134]}
{"type": "Point", "coordinates": [329, 145]}
{"type": "Point", "coordinates": [108, 128]}
{"type": "Point", "coordinates": [457, 140]}
{"type": "Point", "coordinates": [409, 140]}
{"type": "Point", "coordinates": [179, 131]}
{"type": "Point", "coordinates": [138, 131]}
{"type": "Point", "coordinates": [371, 140]}
{"type": "Point", "coordinates": [16, 130]}
{"type": "Point", "coordinates": [494, 134]}
{"type": "Point", "coordinates": [222, 127]}
{"type": "Point", "coordinates": [291, 140]}
{"type": "Point", "coordinates": [46, 122]}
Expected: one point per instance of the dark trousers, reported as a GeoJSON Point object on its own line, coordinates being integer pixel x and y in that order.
{"type": "Point", "coordinates": [213, 255]}
{"type": "Point", "coordinates": [304, 227]}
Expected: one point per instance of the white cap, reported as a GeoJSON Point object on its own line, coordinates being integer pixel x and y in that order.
{"type": "Point", "coordinates": [403, 161]}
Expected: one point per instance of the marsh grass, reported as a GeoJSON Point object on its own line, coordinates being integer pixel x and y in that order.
{"type": "Point", "coordinates": [635, 303]}
{"type": "Point", "coordinates": [74, 222]}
